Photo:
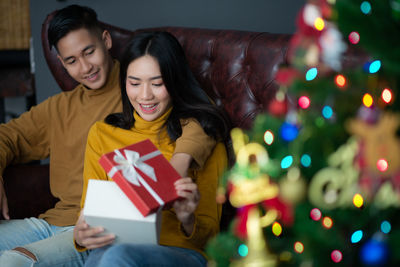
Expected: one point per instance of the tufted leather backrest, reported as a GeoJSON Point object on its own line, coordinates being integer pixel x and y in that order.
{"type": "Point", "coordinates": [235, 68]}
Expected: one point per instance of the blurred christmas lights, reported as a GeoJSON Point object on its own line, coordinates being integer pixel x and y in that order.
{"type": "Point", "coordinates": [382, 165]}
{"type": "Point", "coordinates": [354, 37]}
{"type": "Point", "coordinates": [365, 7]}
{"type": "Point", "coordinates": [336, 256]}
{"type": "Point", "coordinates": [358, 200]}
{"type": "Point", "coordinates": [386, 96]}
{"type": "Point", "coordinates": [298, 247]}
{"type": "Point", "coordinates": [356, 236]}
{"type": "Point", "coordinates": [304, 102]}
{"type": "Point", "coordinates": [305, 160]}
{"type": "Point", "coordinates": [340, 80]}
{"type": "Point", "coordinates": [286, 162]}
{"type": "Point", "coordinates": [367, 100]}
{"type": "Point", "coordinates": [276, 229]}
{"type": "Point", "coordinates": [327, 222]}
{"type": "Point", "coordinates": [315, 214]}
{"type": "Point", "coordinates": [311, 74]}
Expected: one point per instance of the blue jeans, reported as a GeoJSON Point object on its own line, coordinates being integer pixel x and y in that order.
{"type": "Point", "coordinates": [51, 245]}
{"type": "Point", "coordinates": [131, 255]}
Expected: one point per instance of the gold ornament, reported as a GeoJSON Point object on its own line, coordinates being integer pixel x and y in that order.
{"type": "Point", "coordinates": [386, 197]}
{"type": "Point", "coordinates": [252, 191]}
{"type": "Point", "coordinates": [258, 254]}
{"type": "Point", "coordinates": [380, 140]}
{"type": "Point", "coordinates": [292, 188]}
{"type": "Point", "coordinates": [336, 185]}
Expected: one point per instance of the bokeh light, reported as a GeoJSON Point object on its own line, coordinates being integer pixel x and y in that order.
{"type": "Point", "coordinates": [358, 200]}
{"type": "Point", "coordinates": [356, 236]}
{"type": "Point", "coordinates": [354, 37]}
{"type": "Point", "coordinates": [386, 227]}
{"type": "Point", "coordinates": [374, 253]}
{"type": "Point", "coordinates": [311, 74]}
{"type": "Point", "coordinates": [276, 229]}
{"type": "Point", "coordinates": [382, 165]}
{"type": "Point", "coordinates": [305, 160]}
{"type": "Point", "coordinates": [336, 256]}
{"type": "Point", "coordinates": [288, 132]}
{"type": "Point", "coordinates": [286, 162]}
{"type": "Point", "coordinates": [327, 112]}
{"type": "Point", "coordinates": [327, 222]}
{"type": "Point", "coordinates": [367, 100]}
{"type": "Point", "coordinates": [298, 247]}
{"type": "Point", "coordinates": [243, 250]}
{"type": "Point", "coordinates": [304, 102]}
{"type": "Point", "coordinates": [315, 214]}
{"type": "Point", "coordinates": [268, 137]}
{"type": "Point", "coordinates": [387, 95]}
{"type": "Point", "coordinates": [375, 66]}
{"type": "Point", "coordinates": [365, 7]}
{"type": "Point", "coordinates": [319, 24]}
{"type": "Point", "coordinates": [340, 80]}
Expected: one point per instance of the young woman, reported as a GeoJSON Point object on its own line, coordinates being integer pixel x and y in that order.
{"type": "Point", "coordinates": [159, 96]}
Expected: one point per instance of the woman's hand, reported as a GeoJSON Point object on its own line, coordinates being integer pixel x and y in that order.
{"type": "Point", "coordinates": [185, 207]}
{"type": "Point", "coordinates": [86, 236]}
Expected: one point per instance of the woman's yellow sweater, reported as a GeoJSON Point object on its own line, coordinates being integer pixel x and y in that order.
{"type": "Point", "coordinates": [104, 138]}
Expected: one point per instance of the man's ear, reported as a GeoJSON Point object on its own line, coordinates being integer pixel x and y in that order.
{"type": "Point", "coordinates": [60, 59]}
{"type": "Point", "coordinates": [106, 36]}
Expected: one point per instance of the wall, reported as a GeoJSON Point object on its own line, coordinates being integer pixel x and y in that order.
{"type": "Point", "coordinates": [252, 15]}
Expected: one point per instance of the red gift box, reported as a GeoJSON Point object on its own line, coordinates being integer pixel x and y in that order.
{"type": "Point", "coordinates": [143, 174]}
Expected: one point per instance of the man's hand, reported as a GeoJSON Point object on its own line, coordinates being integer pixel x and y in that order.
{"type": "Point", "coordinates": [3, 202]}
{"type": "Point", "coordinates": [86, 236]}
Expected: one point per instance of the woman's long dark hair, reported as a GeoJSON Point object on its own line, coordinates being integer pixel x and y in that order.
{"type": "Point", "coordinates": [188, 99]}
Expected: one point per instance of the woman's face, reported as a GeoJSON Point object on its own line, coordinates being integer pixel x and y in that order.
{"type": "Point", "coordinates": [145, 88]}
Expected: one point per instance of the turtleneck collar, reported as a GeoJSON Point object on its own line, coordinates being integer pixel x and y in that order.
{"type": "Point", "coordinates": [150, 126]}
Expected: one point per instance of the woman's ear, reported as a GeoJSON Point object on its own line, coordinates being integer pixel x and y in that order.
{"type": "Point", "coordinates": [106, 36]}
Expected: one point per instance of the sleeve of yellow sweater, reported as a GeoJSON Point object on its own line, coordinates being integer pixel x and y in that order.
{"type": "Point", "coordinates": [195, 142]}
{"type": "Point", "coordinates": [208, 212]}
{"type": "Point", "coordinates": [26, 138]}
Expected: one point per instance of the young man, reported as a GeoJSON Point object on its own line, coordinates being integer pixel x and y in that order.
{"type": "Point", "coordinates": [58, 128]}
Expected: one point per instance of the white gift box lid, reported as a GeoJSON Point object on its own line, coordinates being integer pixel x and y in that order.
{"type": "Point", "coordinates": [107, 206]}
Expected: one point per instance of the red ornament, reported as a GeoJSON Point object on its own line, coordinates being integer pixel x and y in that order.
{"type": "Point", "coordinates": [278, 108]}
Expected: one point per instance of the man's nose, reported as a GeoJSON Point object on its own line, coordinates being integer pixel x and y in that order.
{"type": "Point", "coordinates": [85, 65]}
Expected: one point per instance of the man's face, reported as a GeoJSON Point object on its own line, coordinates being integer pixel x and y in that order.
{"type": "Point", "coordinates": [85, 56]}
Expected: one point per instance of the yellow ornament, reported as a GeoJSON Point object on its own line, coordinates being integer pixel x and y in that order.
{"type": "Point", "coordinates": [292, 188]}
{"type": "Point", "coordinates": [252, 191]}
{"type": "Point", "coordinates": [258, 255]}
{"type": "Point", "coordinates": [335, 186]}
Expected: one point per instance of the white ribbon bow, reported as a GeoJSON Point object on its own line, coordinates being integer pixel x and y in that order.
{"type": "Point", "coordinates": [127, 165]}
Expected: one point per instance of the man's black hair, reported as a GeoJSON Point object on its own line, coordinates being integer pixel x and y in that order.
{"type": "Point", "coordinates": [72, 18]}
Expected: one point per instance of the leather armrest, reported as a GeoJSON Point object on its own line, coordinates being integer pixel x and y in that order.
{"type": "Point", "coordinates": [28, 190]}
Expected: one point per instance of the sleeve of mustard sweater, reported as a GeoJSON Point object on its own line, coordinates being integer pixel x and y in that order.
{"type": "Point", "coordinates": [208, 212]}
{"type": "Point", "coordinates": [195, 142]}
{"type": "Point", "coordinates": [26, 138]}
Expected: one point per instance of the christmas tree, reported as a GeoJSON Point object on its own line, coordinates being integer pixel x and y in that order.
{"type": "Point", "coordinates": [317, 180]}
